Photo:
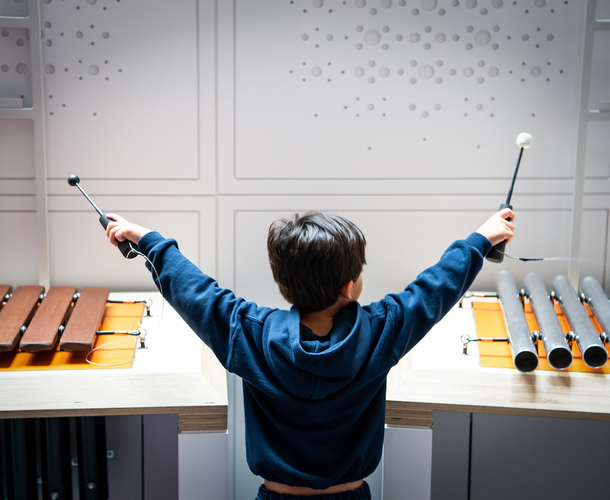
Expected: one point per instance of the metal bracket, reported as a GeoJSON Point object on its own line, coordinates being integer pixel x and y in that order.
{"type": "Point", "coordinates": [466, 339]}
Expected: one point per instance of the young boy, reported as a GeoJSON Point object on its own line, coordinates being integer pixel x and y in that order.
{"type": "Point", "coordinates": [314, 377]}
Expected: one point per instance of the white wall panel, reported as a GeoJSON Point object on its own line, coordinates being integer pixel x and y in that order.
{"type": "Point", "coordinates": [600, 77]}
{"type": "Point", "coordinates": [82, 256]}
{"type": "Point", "coordinates": [594, 246]}
{"type": "Point", "coordinates": [16, 63]}
{"type": "Point", "coordinates": [18, 252]}
{"type": "Point", "coordinates": [597, 185]}
{"type": "Point", "coordinates": [329, 91]}
{"type": "Point", "coordinates": [603, 10]}
{"type": "Point", "coordinates": [596, 266]}
{"type": "Point", "coordinates": [122, 87]}
{"type": "Point", "coordinates": [598, 151]}
{"type": "Point", "coordinates": [14, 9]}
{"type": "Point", "coordinates": [16, 144]}
{"type": "Point", "coordinates": [16, 136]}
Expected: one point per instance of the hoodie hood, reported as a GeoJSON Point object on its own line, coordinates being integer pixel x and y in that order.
{"type": "Point", "coordinates": [315, 367]}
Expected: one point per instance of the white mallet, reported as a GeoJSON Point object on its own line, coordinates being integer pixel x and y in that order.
{"type": "Point", "coordinates": [524, 141]}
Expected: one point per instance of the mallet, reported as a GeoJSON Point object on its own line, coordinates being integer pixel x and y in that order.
{"type": "Point", "coordinates": [524, 141]}
{"type": "Point", "coordinates": [127, 248]}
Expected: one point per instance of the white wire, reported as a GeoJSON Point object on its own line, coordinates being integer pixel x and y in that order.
{"type": "Point", "coordinates": [556, 259]}
{"type": "Point", "coordinates": [160, 289]}
{"type": "Point", "coordinates": [106, 365]}
{"type": "Point", "coordinates": [138, 338]}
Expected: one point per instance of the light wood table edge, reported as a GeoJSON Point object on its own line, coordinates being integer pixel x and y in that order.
{"type": "Point", "coordinates": [190, 418]}
{"type": "Point", "coordinates": [402, 413]}
{"type": "Point", "coordinates": [435, 376]}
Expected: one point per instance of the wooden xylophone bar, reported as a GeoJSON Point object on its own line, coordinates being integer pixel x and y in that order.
{"type": "Point", "coordinates": [43, 331]}
{"type": "Point", "coordinates": [42, 318]}
{"type": "Point", "coordinates": [17, 313]}
{"type": "Point", "coordinates": [5, 291]}
{"type": "Point", "coordinates": [86, 316]}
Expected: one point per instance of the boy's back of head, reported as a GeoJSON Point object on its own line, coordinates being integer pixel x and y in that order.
{"type": "Point", "coordinates": [312, 257]}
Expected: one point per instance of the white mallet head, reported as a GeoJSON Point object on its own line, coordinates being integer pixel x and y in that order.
{"type": "Point", "coordinates": [524, 140]}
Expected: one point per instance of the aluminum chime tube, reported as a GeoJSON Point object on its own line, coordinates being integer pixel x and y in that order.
{"type": "Point", "coordinates": [524, 352]}
{"type": "Point", "coordinates": [593, 352]}
{"type": "Point", "coordinates": [598, 301]}
{"type": "Point", "coordinates": [558, 352]}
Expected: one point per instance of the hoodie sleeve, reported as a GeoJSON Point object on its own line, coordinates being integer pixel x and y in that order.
{"type": "Point", "coordinates": [410, 314]}
{"type": "Point", "coordinates": [211, 311]}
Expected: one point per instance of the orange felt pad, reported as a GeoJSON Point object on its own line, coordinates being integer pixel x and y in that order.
{"type": "Point", "coordinates": [109, 351]}
{"type": "Point", "coordinates": [489, 320]}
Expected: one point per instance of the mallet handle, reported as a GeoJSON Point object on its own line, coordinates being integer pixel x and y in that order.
{"type": "Point", "coordinates": [496, 254]}
{"type": "Point", "coordinates": [89, 199]}
{"type": "Point", "coordinates": [127, 248]}
{"type": "Point", "coordinates": [512, 184]}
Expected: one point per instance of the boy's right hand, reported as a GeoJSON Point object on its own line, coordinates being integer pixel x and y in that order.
{"type": "Point", "coordinates": [119, 229]}
{"type": "Point", "coordinates": [498, 228]}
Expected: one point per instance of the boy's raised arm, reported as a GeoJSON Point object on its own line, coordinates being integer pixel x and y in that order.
{"type": "Point", "coordinates": [208, 309]}
{"type": "Point", "coordinates": [437, 289]}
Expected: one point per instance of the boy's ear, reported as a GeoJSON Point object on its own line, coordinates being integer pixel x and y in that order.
{"type": "Point", "coordinates": [346, 291]}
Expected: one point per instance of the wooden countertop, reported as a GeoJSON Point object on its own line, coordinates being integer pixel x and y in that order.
{"type": "Point", "coordinates": [435, 375]}
{"type": "Point", "coordinates": [176, 373]}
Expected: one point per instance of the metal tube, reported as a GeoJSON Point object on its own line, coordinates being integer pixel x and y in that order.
{"type": "Point", "coordinates": [524, 352]}
{"type": "Point", "coordinates": [593, 352]}
{"type": "Point", "coordinates": [558, 351]}
{"type": "Point", "coordinates": [598, 301]}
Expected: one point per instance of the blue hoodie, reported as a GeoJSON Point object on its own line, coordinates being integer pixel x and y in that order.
{"type": "Point", "coordinates": [314, 406]}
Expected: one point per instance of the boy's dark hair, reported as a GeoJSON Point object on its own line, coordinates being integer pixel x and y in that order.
{"type": "Point", "coordinates": [312, 257]}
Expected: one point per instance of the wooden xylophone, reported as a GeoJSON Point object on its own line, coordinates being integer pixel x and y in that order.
{"type": "Point", "coordinates": [566, 330]}
{"type": "Point", "coordinates": [60, 319]}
